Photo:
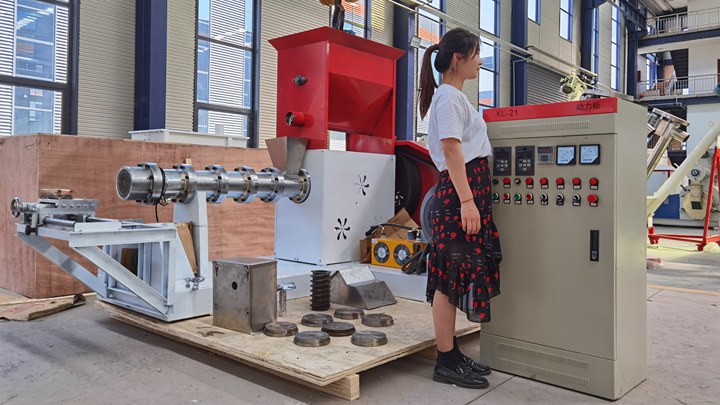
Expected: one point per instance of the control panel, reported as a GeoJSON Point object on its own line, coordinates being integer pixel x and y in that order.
{"type": "Point", "coordinates": [568, 197]}
{"type": "Point", "coordinates": [563, 171]}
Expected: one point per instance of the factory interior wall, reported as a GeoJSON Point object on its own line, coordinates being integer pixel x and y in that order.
{"type": "Point", "coordinates": [468, 13]}
{"type": "Point", "coordinates": [277, 20]}
{"type": "Point", "coordinates": [699, 116]}
{"type": "Point", "coordinates": [505, 68]}
{"type": "Point", "coordinates": [180, 87]}
{"type": "Point", "coordinates": [697, 5]}
{"type": "Point", "coordinates": [106, 68]}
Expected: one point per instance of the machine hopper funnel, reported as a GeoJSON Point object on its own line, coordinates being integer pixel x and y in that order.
{"type": "Point", "coordinates": [287, 153]}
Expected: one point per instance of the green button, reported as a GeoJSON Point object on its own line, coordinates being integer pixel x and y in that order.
{"type": "Point", "coordinates": [518, 197]}
{"type": "Point", "coordinates": [496, 196]}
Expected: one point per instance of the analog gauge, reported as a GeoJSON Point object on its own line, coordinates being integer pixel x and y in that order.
{"type": "Point", "coordinates": [589, 154]}
{"type": "Point", "coordinates": [566, 155]}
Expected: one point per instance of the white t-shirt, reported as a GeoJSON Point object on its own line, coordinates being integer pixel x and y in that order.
{"type": "Point", "coordinates": [452, 116]}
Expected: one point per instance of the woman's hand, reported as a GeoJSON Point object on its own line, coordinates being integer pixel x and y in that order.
{"type": "Point", "coordinates": [470, 217]}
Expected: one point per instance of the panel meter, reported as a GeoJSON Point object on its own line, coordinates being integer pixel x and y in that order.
{"type": "Point", "coordinates": [566, 155]}
{"type": "Point", "coordinates": [590, 154]}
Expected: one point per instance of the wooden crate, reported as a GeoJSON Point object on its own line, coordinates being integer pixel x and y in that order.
{"type": "Point", "coordinates": [88, 166]}
{"type": "Point", "coordinates": [333, 368]}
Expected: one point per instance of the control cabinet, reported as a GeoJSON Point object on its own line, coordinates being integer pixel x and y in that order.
{"type": "Point", "coordinates": [569, 202]}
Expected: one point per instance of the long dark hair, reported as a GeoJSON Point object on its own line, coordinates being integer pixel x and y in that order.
{"type": "Point", "coordinates": [456, 40]}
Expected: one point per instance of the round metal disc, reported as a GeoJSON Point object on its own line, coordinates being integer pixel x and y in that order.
{"type": "Point", "coordinates": [316, 320]}
{"type": "Point", "coordinates": [349, 313]}
{"type": "Point", "coordinates": [311, 339]}
{"type": "Point", "coordinates": [368, 338]}
{"type": "Point", "coordinates": [338, 328]}
{"type": "Point", "coordinates": [377, 320]}
{"type": "Point", "coordinates": [280, 329]}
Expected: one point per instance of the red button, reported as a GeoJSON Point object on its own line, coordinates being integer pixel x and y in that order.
{"type": "Point", "coordinates": [592, 199]}
{"type": "Point", "coordinates": [529, 181]}
{"type": "Point", "coordinates": [576, 181]}
{"type": "Point", "coordinates": [593, 181]}
{"type": "Point", "coordinates": [529, 197]}
{"type": "Point", "coordinates": [544, 181]}
{"type": "Point", "coordinates": [560, 180]}
{"type": "Point", "coordinates": [506, 196]}
{"type": "Point", "coordinates": [506, 180]}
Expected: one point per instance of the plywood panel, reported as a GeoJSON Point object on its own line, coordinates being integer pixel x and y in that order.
{"type": "Point", "coordinates": [89, 165]}
{"type": "Point", "coordinates": [318, 366]}
{"type": "Point", "coordinates": [18, 165]}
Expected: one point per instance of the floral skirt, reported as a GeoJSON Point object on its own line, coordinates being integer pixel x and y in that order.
{"type": "Point", "coordinates": [464, 267]}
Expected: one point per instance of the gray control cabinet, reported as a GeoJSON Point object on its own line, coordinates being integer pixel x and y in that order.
{"type": "Point", "coordinates": [573, 278]}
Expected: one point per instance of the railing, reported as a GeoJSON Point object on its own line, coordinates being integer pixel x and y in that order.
{"type": "Point", "coordinates": [692, 86]}
{"type": "Point", "coordinates": [683, 22]}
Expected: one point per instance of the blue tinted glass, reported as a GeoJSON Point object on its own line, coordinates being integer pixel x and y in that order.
{"type": "Point", "coordinates": [487, 16]}
{"type": "Point", "coordinates": [35, 20]}
{"type": "Point", "coordinates": [565, 5]}
{"type": "Point", "coordinates": [34, 59]}
{"type": "Point", "coordinates": [33, 110]}
{"type": "Point", "coordinates": [249, 20]}
{"type": "Point", "coordinates": [487, 54]}
{"type": "Point", "coordinates": [204, 17]}
{"type": "Point", "coordinates": [532, 10]}
{"type": "Point", "coordinates": [486, 95]}
{"type": "Point", "coordinates": [203, 121]}
{"type": "Point", "coordinates": [564, 25]}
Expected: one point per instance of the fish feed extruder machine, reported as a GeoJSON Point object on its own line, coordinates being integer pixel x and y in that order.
{"type": "Point", "coordinates": [568, 184]}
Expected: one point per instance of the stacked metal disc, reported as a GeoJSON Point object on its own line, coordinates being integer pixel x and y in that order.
{"type": "Point", "coordinates": [316, 320]}
{"type": "Point", "coordinates": [312, 338]}
{"type": "Point", "coordinates": [349, 313]}
{"type": "Point", "coordinates": [320, 290]}
{"type": "Point", "coordinates": [377, 320]}
{"type": "Point", "coordinates": [368, 338]}
{"type": "Point", "coordinates": [280, 329]}
{"type": "Point", "coordinates": [338, 328]}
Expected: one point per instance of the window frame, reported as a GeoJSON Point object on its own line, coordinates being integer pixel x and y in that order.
{"type": "Point", "coordinates": [596, 41]}
{"type": "Point", "coordinates": [536, 17]}
{"type": "Point", "coordinates": [496, 3]}
{"type": "Point", "coordinates": [366, 20]}
{"type": "Point", "coordinates": [615, 49]}
{"type": "Point", "coordinates": [495, 72]}
{"type": "Point", "coordinates": [250, 114]}
{"type": "Point", "coordinates": [418, 60]}
{"type": "Point", "coordinates": [569, 13]}
{"type": "Point", "coordinates": [68, 88]}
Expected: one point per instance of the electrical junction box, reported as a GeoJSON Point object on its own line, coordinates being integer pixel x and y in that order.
{"type": "Point", "coordinates": [351, 191]}
{"type": "Point", "coordinates": [572, 311]}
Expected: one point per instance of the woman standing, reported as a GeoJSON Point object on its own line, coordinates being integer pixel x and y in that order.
{"type": "Point", "coordinates": [463, 263]}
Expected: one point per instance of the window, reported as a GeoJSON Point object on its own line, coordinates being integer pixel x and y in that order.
{"type": "Point", "coordinates": [534, 10]}
{"type": "Point", "coordinates": [33, 66]}
{"type": "Point", "coordinates": [651, 66]}
{"type": "Point", "coordinates": [615, 50]}
{"type": "Point", "coordinates": [224, 70]}
{"type": "Point", "coordinates": [489, 13]}
{"type": "Point", "coordinates": [488, 77]}
{"type": "Point", "coordinates": [355, 17]}
{"type": "Point", "coordinates": [596, 41]}
{"type": "Point", "coordinates": [566, 20]}
{"type": "Point", "coordinates": [429, 32]}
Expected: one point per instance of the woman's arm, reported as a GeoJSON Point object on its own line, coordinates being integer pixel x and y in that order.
{"type": "Point", "coordinates": [470, 216]}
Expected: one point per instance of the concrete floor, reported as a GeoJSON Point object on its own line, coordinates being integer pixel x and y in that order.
{"type": "Point", "coordinates": [81, 356]}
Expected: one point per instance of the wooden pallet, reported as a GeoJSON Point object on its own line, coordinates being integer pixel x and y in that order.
{"type": "Point", "coordinates": [332, 369]}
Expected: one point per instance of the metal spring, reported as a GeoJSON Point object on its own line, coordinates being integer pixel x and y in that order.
{"type": "Point", "coordinates": [320, 290]}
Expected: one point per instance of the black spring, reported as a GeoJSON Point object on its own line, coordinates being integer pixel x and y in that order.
{"type": "Point", "coordinates": [320, 290]}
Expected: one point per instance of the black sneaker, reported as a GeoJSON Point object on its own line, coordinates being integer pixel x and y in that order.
{"type": "Point", "coordinates": [462, 376]}
{"type": "Point", "coordinates": [476, 368]}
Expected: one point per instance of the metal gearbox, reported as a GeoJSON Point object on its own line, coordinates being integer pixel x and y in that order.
{"type": "Point", "coordinates": [244, 297]}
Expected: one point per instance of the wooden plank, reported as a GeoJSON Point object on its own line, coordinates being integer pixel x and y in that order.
{"type": "Point", "coordinates": [88, 166]}
{"type": "Point", "coordinates": [322, 366]}
{"type": "Point", "coordinates": [19, 168]}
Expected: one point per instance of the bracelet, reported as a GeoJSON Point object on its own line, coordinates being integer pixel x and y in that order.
{"type": "Point", "coordinates": [468, 200]}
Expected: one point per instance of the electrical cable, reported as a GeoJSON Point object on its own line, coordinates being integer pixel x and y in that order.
{"type": "Point", "coordinates": [417, 263]}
